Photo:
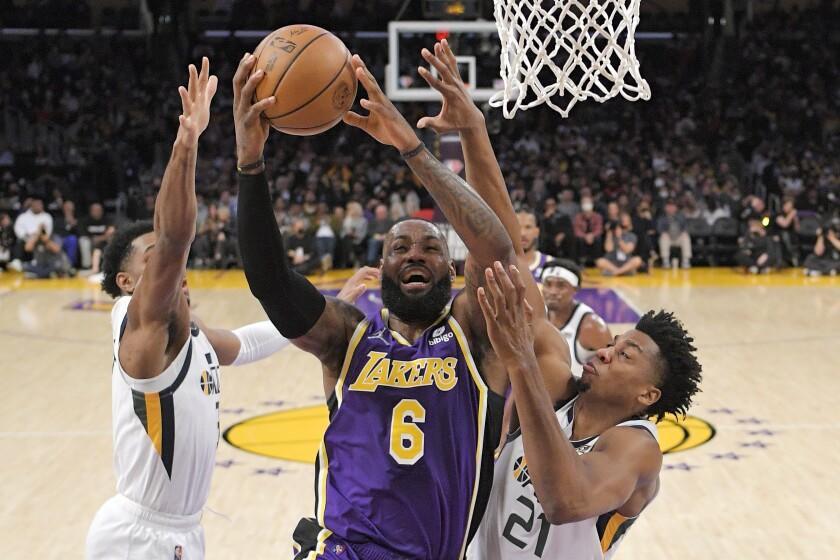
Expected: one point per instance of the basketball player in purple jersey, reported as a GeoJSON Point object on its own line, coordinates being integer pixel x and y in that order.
{"type": "Point", "coordinates": [415, 392]}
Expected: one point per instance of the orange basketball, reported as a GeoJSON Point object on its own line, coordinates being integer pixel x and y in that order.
{"type": "Point", "coordinates": [308, 70]}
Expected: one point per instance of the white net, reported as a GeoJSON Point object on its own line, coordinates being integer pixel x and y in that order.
{"type": "Point", "coordinates": [559, 52]}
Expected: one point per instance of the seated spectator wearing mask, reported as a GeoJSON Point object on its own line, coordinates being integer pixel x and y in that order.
{"type": "Point", "coordinates": [621, 258]}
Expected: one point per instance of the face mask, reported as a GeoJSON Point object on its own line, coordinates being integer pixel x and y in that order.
{"type": "Point", "coordinates": [586, 206]}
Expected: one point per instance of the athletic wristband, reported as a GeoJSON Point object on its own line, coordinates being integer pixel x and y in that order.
{"type": "Point", "coordinates": [411, 153]}
{"type": "Point", "coordinates": [250, 166]}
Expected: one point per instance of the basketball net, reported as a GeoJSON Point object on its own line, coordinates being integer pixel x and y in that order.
{"type": "Point", "coordinates": [559, 52]}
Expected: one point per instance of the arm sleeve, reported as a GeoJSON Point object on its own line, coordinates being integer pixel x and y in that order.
{"type": "Point", "coordinates": [258, 341]}
{"type": "Point", "coordinates": [292, 303]}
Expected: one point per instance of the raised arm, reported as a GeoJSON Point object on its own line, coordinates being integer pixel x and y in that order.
{"type": "Point", "coordinates": [158, 315]}
{"type": "Point", "coordinates": [319, 325]}
{"type": "Point", "coordinates": [473, 220]}
{"type": "Point", "coordinates": [571, 487]}
{"type": "Point", "coordinates": [459, 113]}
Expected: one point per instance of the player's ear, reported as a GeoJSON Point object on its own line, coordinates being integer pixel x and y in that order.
{"type": "Point", "coordinates": [125, 283]}
{"type": "Point", "coordinates": [452, 272]}
{"type": "Point", "coordinates": [650, 396]}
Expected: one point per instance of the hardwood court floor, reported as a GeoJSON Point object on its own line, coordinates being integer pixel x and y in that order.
{"type": "Point", "coordinates": [765, 486]}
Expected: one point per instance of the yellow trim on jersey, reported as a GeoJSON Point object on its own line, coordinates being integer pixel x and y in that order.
{"type": "Point", "coordinates": [385, 314]}
{"type": "Point", "coordinates": [323, 535]}
{"type": "Point", "coordinates": [609, 531]}
{"type": "Point", "coordinates": [348, 357]}
{"type": "Point", "coordinates": [482, 415]}
{"type": "Point", "coordinates": [154, 426]}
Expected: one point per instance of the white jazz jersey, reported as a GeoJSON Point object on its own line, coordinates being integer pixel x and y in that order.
{"type": "Point", "coordinates": [571, 332]}
{"type": "Point", "coordinates": [166, 429]}
{"type": "Point", "coordinates": [514, 526]}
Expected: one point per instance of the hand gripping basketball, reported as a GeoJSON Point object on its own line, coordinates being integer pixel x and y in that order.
{"type": "Point", "coordinates": [384, 123]}
{"type": "Point", "coordinates": [195, 102]}
{"type": "Point", "coordinates": [458, 112]}
{"type": "Point", "coordinates": [251, 127]}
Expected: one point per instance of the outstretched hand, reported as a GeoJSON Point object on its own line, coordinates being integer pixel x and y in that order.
{"type": "Point", "coordinates": [458, 111]}
{"type": "Point", "coordinates": [250, 124]}
{"type": "Point", "coordinates": [355, 285]}
{"type": "Point", "coordinates": [507, 313]}
{"type": "Point", "coordinates": [195, 102]}
{"type": "Point", "coordinates": [383, 122]}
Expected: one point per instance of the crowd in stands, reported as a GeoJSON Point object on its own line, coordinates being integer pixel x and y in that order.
{"type": "Point", "coordinates": [733, 165]}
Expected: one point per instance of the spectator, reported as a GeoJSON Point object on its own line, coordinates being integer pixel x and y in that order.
{"type": "Point", "coordinates": [31, 224]}
{"type": "Point", "coordinates": [645, 230]}
{"type": "Point", "coordinates": [620, 245]}
{"type": "Point", "coordinates": [377, 229]}
{"type": "Point", "coordinates": [300, 246]}
{"type": "Point", "coordinates": [826, 256]}
{"type": "Point", "coordinates": [558, 237]}
{"type": "Point", "coordinates": [787, 228]}
{"type": "Point", "coordinates": [96, 231]}
{"type": "Point", "coordinates": [673, 231]}
{"type": "Point", "coordinates": [757, 252]}
{"type": "Point", "coordinates": [215, 243]}
{"type": "Point", "coordinates": [324, 237]}
{"type": "Point", "coordinates": [7, 240]}
{"type": "Point", "coordinates": [568, 206]}
{"type": "Point", "coordinates": [67, 228]}
{"type": "Point", "coordinates": [353, 234]}
{"type": "Point", "coordinates": [588, 228]}
{"type": "Point", "coordinates": [48, 260]}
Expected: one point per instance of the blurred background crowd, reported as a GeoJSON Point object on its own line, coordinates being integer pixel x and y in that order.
{"type": "Point", "coordinates": [734, 160]}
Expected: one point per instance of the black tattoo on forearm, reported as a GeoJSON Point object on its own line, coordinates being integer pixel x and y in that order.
{"type": "Point", "coordinates": [479, 227]}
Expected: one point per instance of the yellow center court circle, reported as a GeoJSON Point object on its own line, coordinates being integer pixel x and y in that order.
{"type": "Point", "coordinates": [294, 435]}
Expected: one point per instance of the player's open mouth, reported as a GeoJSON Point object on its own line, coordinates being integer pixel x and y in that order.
{"type": "Point", "coordinates": [415, 278]}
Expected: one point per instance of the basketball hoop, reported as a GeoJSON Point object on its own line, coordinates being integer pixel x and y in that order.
{"type": "Point", "coordinates": [559, 52]}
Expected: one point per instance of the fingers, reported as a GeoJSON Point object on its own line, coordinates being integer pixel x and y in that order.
{"type": "Point", "coordinates": [242, 71]}
{"type": "Point", "coordinates": [495, 290]}
{"type": "Point", "coordinates": [486, 306]}
{"type": "Point", "coordinates": [443, 71]}
{"type": "Point", "coordinates": [449, 56]}
{"type": "Point", "coordinates": [259, 107]}
{"type": "Point", "coordinates": [365, 77]}
{"type": "Point", "coordinates": [506, 284]}
{"type": "Point", "coordinates": [204, 75]}
{"type": "Point", "coordinates": [191, 85]}
{"type": "Point", "coordinates": [433, 82]}
{"type": "Point", "coordinates": [355, 119]}
{"type": "Point", "coordinates": [350, 295]}
{"type": "Point", "coordinates": [186, 103]}
{"type": "Point", "coordinates": [518, 283]}
{"type": "Point", "coordinates": [430, 122]}
{"type": "Point", "coordinates": [210, 88]}
{"type": "Point", "coordinates": [251, 84]}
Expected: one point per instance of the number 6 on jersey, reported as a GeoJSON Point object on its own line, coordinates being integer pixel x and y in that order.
{"type": "Point", "coordinates": [406, 437]}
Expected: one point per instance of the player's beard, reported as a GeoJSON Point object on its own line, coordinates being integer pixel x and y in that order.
{"type": "Point", "coordinates": [416, 309]}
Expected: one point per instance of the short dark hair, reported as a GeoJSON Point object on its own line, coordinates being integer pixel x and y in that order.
{"type": "Point", "coordinates": [116, 253]}
{"type": "Point", "coordinates": [564, 263]}
{"type": "Point", "coordinates": [679, 370]}
{"type": "Point", "coordinates": [525, 209]}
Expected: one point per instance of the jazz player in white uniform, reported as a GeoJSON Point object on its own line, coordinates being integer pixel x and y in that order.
{"type": "Point", "coordinates": [584, 330]}
{"type": "Point", "coordinates": [578, 468]}
{"type": "Point", "coordinates": [165, 378]}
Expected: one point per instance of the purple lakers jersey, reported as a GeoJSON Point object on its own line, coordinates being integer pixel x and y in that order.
{"type": "Point", "coordinates": [536, 266]}
{"type": "Point", "coordinates": [405, 466]}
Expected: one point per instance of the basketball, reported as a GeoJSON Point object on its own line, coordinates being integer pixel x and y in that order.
{"type": "Point", "coordinates": [308, 70]}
